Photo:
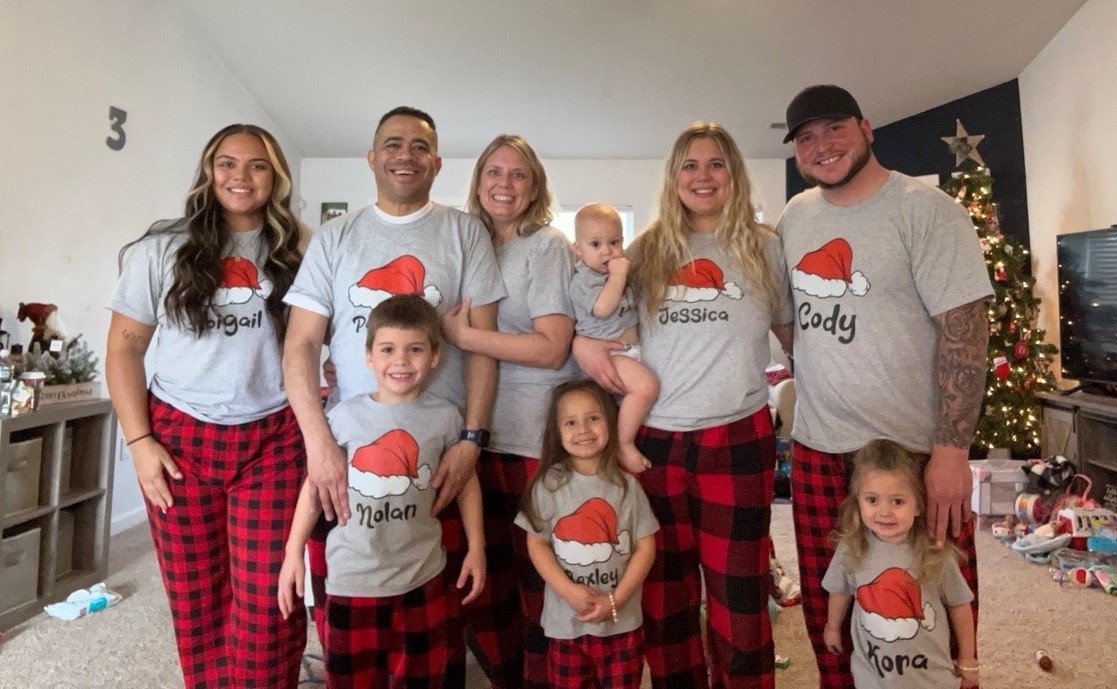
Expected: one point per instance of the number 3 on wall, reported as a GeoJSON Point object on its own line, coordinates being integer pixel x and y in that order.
{"type": "Point", "coordinates": [117, 118]}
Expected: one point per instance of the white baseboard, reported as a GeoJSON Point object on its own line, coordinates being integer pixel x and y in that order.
{"type": "Point", "coordinates": [128, 520]}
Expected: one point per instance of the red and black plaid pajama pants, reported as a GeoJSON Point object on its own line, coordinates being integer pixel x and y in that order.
{"type": "Point", "coordinates": [454, 543]}
{"type": "Point", "coordinates": [711, 491]}
{"type": "Point", "coordinates": [818, 486]}
{"type": "Point", "coordinates": [502, 625]}
{"type": "Point", "coordinates": [393, 642]}
{"type": "Point", "coordinates": [597, 662]}
{"type": "Point", "coordinates": [221, 544]}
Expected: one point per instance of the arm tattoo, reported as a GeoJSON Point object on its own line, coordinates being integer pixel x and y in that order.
{"type": "Point", "coordinates": [129, 335]}
{"type": "Point", "coordinates": [961, 363]}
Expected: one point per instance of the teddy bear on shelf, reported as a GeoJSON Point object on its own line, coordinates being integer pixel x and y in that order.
{"type": "Point", "coordinates": [45, 325]}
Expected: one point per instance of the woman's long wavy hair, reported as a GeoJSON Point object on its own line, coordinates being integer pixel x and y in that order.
{"type": "Point", "coordinates": [661, 249]}
{"type": "Point", "coordinates": [886, 456]}
{"type": "Point", "coordinates": [554, 456]}
{"type": "Point", "coordinates": [538, 212]}
{"type": "Point", "coordinates": [197, 264]}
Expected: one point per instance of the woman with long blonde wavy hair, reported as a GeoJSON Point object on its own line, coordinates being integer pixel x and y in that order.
{"type": "Point", "coordinates": [710, 284]}
{"type": "Point", "coordinates": [214, 444]}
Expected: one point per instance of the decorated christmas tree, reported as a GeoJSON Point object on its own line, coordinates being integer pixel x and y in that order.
{"type": "Point", "coordinates": [1019, 359]}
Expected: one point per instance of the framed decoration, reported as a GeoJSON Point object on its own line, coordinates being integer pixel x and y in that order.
{"type": "Point", "coordinates": [333, 209]}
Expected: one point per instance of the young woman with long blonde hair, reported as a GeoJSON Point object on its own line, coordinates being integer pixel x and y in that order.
{"type": "Point", "coordinates": [710, 284]}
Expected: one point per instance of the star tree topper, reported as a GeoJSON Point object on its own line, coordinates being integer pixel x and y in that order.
{"type": "Point", "coordinates": [964, 145]}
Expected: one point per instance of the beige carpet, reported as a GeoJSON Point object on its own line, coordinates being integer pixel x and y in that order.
{"type": "Point", "coordinates": [130, 645]}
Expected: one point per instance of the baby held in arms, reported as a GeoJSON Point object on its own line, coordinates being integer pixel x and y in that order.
{"type": "Point", "coordinates": [604, 310]}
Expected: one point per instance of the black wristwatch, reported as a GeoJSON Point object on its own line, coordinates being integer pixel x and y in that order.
{"type": "Point", "coordinates": [476, 435]}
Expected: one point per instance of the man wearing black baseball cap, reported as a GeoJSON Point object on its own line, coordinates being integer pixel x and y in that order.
{"type": "Point", "coordinates": [824, 101]}
{"type": "Point", "coordinates": [889, 285]}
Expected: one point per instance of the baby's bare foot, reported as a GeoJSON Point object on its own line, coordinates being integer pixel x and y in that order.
{"type": "Point", "coordinates": [633, 460]}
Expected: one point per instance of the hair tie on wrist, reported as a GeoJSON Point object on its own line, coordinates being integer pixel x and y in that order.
{"type": "Point", "coordinates": [149, 434]}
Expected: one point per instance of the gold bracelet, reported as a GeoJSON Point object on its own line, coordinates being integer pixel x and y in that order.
{"type": "Point", "coordinates": [613, 605]}
{"type": "Point", "coordinates": [969, 668]}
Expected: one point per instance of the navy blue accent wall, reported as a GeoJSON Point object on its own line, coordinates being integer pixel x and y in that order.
{"type": "Point", "coordinates": [914, 146]}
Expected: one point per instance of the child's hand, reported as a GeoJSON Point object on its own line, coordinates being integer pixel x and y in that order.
{"type": "Point", "coordinates": [581, 599]}
{"type": "Point", "coordinates": [473, 567]}
{"type": "Point", "coordinates": [618, 266]}
{"type": "Point", "coordinates": [832, 636]}
{"type": "Point", "coordinates": [599, 611]}
{"type": "Point", "coordinates": [291, 579]}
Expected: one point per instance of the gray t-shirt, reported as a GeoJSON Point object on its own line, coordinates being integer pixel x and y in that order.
{"type": "Point", "coordinates": [584, 290]}
{"type": "Point", "coordinates": [592, 530]}
{"type": "Point", "coordinates": [391, 544]}
{"type": "Point", "coordinates": [230, 375]}
{"type": "Point", "coordinates": [356, 261]}
{"type": "Point", "coordinates": [901, 630]}
{"type": "Point", "coordinates": [536, 271]}
{"type": "Point", "coordinates": [708, 342]}
{"type": "Point", "coordinates": [866, 281]}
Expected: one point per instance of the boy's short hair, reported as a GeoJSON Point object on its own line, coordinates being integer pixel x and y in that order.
{"type": "Point", "coordinates": [407, 311]}
{"type": "Point", "coordinates": [597, 211]}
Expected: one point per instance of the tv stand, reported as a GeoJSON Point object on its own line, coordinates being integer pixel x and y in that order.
{"type": "Point", "coordinates": [1096, 389]}
{"type": "Point", "coordinates": [1083, 427]}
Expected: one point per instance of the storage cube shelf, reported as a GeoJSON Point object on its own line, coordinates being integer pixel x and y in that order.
{"type": "Point", "coordinates": [55, 504]}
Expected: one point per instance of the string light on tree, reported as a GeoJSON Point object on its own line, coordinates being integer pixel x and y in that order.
{"type": "Point", "coordinates": [1019, 359]}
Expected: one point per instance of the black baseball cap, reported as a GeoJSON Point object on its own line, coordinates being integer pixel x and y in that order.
{"type": "Point", "coordinates": [824, 101]}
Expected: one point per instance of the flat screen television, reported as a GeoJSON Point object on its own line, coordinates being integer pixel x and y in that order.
{"type": "Point", "coordinates": [1088, 306]}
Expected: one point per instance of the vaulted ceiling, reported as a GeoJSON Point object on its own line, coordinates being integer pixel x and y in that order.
{"type": "Point", "coordinates": [607, 78]}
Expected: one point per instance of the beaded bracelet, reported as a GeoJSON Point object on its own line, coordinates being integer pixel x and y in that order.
{"type": "Point", "coordinates": [613, 605]}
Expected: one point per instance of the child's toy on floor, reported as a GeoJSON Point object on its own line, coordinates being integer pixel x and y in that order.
{"type": "Point", "coordinates": [1041, 544]}
{"type": "Point", "coordinates": [82, 602]}
{"type": "Point", "coordinates": [1004, 530]}
{"type": "Point", "coordinates": [1082, 523]}
{"type": "Point", "coordinates": [1045, 662]}
{"type": "Point", "coordinates": [782, 662]}
{"type": "Point", "coordinates": [784, 589]}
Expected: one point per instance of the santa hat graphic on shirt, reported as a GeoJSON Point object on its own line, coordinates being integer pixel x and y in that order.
{"type": "Point", "coordinates": [700, 280]}
{"type": "Point", "coordinates": [892, 608]}
{"type": "Point", "coordinates": [240, 281]}
{"type": "Point", "coordinates": [387, 466]}
{"type": "Point", "coordinates": [589, 534]}
{"type": "Point", "coordinates": [826, 272]}
{"type": "Point", "coordinates": [403, 275]}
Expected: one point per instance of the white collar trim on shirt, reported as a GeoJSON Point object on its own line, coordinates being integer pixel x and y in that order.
{"type": "Point", "coordinates": [404, 219]}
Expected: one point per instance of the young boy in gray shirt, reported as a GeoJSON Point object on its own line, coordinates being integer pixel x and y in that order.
{"type": "Point", "coordinates": [385, 563]}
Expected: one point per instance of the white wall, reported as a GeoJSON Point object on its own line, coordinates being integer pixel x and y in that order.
{"type": "Point", "coordinates": [68, 202]}
{"type": "Point", "coordinates": [1069, 105]}
{"type": "Point", "coordinates": [634, 183]}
